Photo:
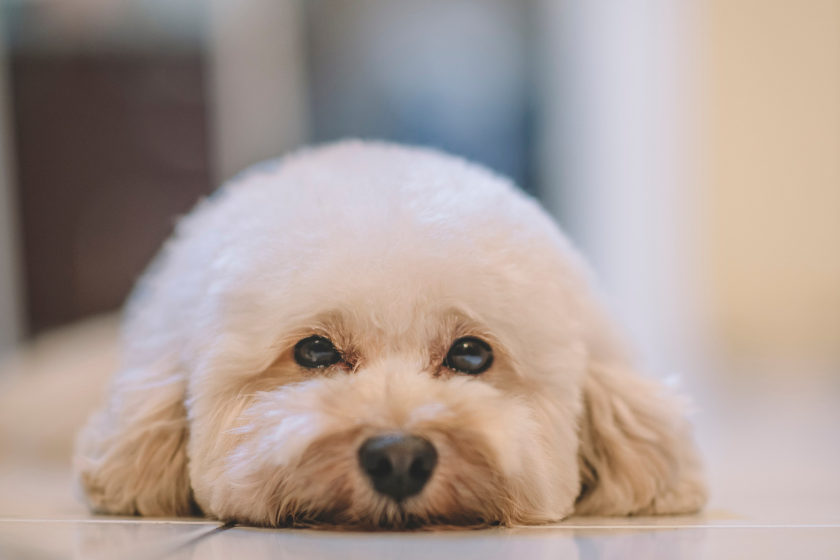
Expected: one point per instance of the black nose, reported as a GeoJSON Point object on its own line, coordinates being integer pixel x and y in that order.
{"type": "Point", "coordinates": [398, 465]}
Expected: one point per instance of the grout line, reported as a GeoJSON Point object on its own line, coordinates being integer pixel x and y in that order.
{"type": "Point", "coordinates": [612, 527]}
{"type": "Point", "coordinates": [527, 528]}
{"type": "Point", "coordinates": [116, 521]}
{"type": "Point", "coordinates": [161, 548]}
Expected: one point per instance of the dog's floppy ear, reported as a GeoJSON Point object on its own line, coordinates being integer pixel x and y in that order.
{"type": "Point", "coordinates": [636, 454]}
{"type": "Point", "coordinates": [131, 457]}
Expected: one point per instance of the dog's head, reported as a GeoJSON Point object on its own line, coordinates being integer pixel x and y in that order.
{"type": "Point", "coordinates": [375, 336]}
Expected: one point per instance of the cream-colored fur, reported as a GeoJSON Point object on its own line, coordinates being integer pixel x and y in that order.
{"type": "Point", "coordinates": [392, 253]}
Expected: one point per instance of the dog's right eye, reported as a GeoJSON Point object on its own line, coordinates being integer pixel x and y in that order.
{"type": "Point", "coordinates": [316, 352]}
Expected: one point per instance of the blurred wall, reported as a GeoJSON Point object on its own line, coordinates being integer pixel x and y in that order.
{"type": "Point", "coordinates": [617, 159]}
{"type": "Point", "coordinates": [453, 74]}
{"type": "Point", "coordinates": [774, 176]}
{"type": "Point", "coordinates": [257, 87]}
{"type": "Point", "coordinates": [10, 312]}
{"type": "Point", "coordinates": [111, 143]}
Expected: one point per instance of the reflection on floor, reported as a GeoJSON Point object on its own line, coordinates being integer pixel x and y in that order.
{"type": "Point", "coordinates": [189, 541]}
{"type": "Point", "coordinates": [773, 458]}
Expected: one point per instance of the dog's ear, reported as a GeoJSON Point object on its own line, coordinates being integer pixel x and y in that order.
{"type": "Point", "coordinates": [131, 457]}
{"type": "Point", "coordinates": [636, 454]}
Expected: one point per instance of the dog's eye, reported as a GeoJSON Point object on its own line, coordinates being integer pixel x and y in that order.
{"type": "Point", "coordinates": [316, 352]}
{"type": "Point", "coordinates": [469, 355]}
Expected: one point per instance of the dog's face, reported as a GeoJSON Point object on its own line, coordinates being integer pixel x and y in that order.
{"type": "Point", "coordinates": [383, 338]}
{"type": "Point", "coordinates": [407, 387]}
{"type": "Point", "coordinates": [423, 370]}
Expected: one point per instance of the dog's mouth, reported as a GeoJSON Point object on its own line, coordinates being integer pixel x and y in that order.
{"type": "Point", "coordinates": [398, 467]}
{"type": "Point", "coordinates": [398, 519]}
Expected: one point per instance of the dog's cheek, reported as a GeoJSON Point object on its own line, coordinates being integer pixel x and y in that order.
{"type": "Point", "coordinates": [258, 454]}
{"type": "Point", "coordinates": [548, 482]}
{"type": "Point", "coordinates": [213, 441]}
{"type": "Point", "coordinates": [508, 456]}
{"type": "Point", "coordinates": [286, 456]}
{"type": "Point", "coordinates": [484, 441]}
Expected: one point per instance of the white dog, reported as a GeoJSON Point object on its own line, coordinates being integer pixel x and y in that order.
{"type": "Point", "coordinates": [374, 336]}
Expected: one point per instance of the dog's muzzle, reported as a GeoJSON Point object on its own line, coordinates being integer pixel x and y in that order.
{"type": "Point", "coordinates": [398, 465]}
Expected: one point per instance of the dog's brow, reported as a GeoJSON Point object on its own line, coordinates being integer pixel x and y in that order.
{"type": "Point", "coordinates": [457, 324]}
{"type": "Point", "coordinates": [336, 327]}
{"type": "Point", "coordinates": [332, 325]}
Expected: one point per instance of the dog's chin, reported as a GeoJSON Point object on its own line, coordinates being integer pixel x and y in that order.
{"type": "Point", "coordinates": [395, 519]}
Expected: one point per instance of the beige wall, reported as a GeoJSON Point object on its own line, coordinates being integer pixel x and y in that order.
{"type": "Point", "coordinates": [774, 176]}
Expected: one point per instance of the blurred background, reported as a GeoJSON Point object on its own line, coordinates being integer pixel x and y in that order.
{"type": "Point", "coordinates": [690, 148]}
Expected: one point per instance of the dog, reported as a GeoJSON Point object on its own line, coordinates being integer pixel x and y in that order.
{"type": "Point", "coordinates": [373, 336]}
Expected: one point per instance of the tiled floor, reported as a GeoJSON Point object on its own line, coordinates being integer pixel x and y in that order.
{"type": "Point", "coordinates": [773, 454]}
{"type": "Point", "coordinates": [693, 538]}
{"type": "Point", "coordinates": [204, 541]}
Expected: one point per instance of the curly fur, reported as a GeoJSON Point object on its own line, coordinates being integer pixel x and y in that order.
{"type": "Point", "coordinates": [392, 253]}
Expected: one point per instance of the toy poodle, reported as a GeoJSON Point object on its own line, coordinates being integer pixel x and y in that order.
{"type": "Point", "coordinates": [373, 336]}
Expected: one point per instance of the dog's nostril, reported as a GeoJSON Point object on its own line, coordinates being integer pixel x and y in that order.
{"type": "Point", "coordinates": [398, 465]}
{"type": "Point", "coordinates": [382, 468]}
{"type": "Point", "coordinates": [419, 470]}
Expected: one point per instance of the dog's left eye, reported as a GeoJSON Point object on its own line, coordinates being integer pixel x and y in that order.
{"type": "Point", "coordinates": [469, 355]}
{"type": "Point", "coordinates": [316, 352]}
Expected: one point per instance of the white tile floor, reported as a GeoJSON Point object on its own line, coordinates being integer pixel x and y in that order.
{"type": "Point", "coordinates": [773, 453]}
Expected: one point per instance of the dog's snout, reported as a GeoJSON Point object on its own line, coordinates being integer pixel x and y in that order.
{"type": "Point", "coordinates": [398, 465]}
